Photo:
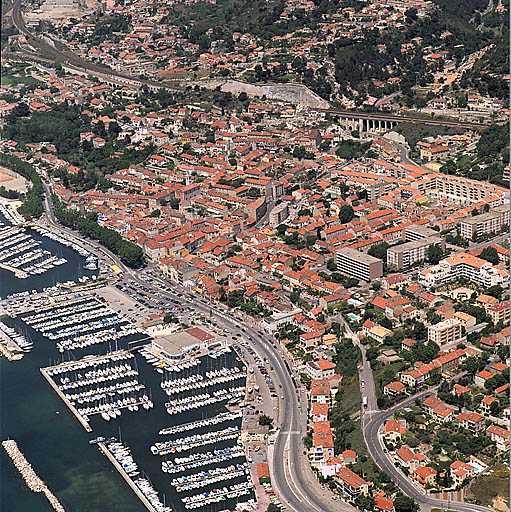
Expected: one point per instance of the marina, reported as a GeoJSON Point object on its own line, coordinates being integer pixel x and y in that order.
{"type": "Point", "coordinates": [34, 483]}
{"type": "Point", "coordinates": [102, 385]}
{"type": "Point", "coordinates": [34, 413]}
{"type": "Point", "coordinates": [21, 254]}
{"type": "Point", "coordinates": [105, 386]}
{"type": "Point", "coordinates": [12, 344]}
{"type": "Point", "coordinates": [80, 322]}
{"type": "Point", "coordinates": [117, 384]}
{"type": "Point", "coordinates": [120, 455]}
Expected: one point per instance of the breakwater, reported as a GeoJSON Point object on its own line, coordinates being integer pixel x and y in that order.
{"type": "Point", "coordinates": [34, 483]}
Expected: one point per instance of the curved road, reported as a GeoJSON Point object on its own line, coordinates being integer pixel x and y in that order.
{"type": "Point", "coordinates": [294, 480]}
{"type": "Point", "coordinates": [375, 449]}
{"type": "Point", "coordinates": [70, 58]}
{"type": "Point", "coordinates": [19, 23]}
{"type": "Point", "coordinates": [373, 419]}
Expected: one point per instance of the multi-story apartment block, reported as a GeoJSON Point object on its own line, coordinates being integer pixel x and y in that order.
{"type": "Point", "coordinates": [279, 214]}
{"type": "Point", "coordinates": [417, 232]}
{"type": "Point", "coordinates": [457, 188]}
{"type": "Point", "coordinates": [490, 222]}
{"type": "Point", "coordinates": [448, 331]}
{"type": "Point", "coordinates": [463, 265]}
{"type": "Point", "coordinates": [499, 312]}
{"type": "Point", "coordinates": [357, 264]}
{"type": "Point", "coordinates": [404, 255]}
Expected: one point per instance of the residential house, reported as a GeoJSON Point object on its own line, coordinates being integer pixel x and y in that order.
{"type": "Point", "coordinates": [472, 421]}
{"type": "Point", "coordinates": [460, 471]}
{"type": "Point", "coordinates": [394, 429]}
{"type": "Point", "coordinates": [321, 369]}
{"type": "Point", "coordinates": [500, 436]}
{"type": "Point", "coordinates": [424, 476]}
{"type": "Point", "coordinates": [320, 392]}
{"type": "Point", "coordinates": [408, 458]}
{"type": "Point", "coordinates": [350, 483]}
{"type": "Point", "coordinates": [394, 389]}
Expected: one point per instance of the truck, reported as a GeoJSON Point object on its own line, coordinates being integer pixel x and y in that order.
{"type": "Point", "coordinates": [364, 401]}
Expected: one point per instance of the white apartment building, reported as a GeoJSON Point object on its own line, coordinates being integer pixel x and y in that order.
{"type": "Point", "coordinates": [464, 265]}
{"type": "Point", "coordinates": [404, 255]}
{"type": "Point", "coordinates": [358, 264]}
{"type": "Point", "coordinates": [448, 331]}
{"type": "Point", "coordinates": [491, 222]}
{"type": "Point", "coordinates": [279, 214]}
{"type": "Point", "coordinates": [459, 189]}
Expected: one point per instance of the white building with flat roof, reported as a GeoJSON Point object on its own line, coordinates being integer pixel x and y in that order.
{"type": "Point", "coordinates": [467, 266]}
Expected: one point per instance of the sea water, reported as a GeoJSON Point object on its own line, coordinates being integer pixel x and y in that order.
{"type": "Point", "coordinates": [57, 445]}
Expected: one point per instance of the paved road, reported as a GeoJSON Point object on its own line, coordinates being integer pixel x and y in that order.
{"type": "Point", "coordinates": [70, 58]}
{"type": "Point", "coordinates": [88, 66]}
{"type": "Point", "coordinates": [294, 481]}
{"type": "Point", "coordinates": [372, 425]}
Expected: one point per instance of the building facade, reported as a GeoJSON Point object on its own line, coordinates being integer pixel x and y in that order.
{"type": "Point", "coordinates": [358, 265]}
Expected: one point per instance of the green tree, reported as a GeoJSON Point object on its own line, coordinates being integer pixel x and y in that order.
{"type": "Point", "coordinates": [490, 254]}
{"type": "Point", "coordinates": [405, 504]}
{"type": "Point", "coordinates": [434, 254]}
{"type": "Point", "coordinates": [265, 420]}
{"type": "Point", "coordinates": [379, 251]}
{"type": "Point", "coordinates": [330, 265]}
{"type": "Point", "coordinates": [346, 213]}
{"type": "Point", "coordinates": [364, 502]}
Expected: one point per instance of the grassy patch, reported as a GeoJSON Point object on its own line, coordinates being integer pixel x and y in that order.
{"type": "Point", "coordinates": [491, 485]}
{"type": "Point", "coordinates": [358, 444]}
{"type": "Point", "coordinates": [351, 398]}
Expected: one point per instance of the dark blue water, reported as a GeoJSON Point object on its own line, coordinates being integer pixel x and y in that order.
{"type": "Point", "coordinates": [68, 271]}
{"type": "Point", "coordinates": [57, 445]}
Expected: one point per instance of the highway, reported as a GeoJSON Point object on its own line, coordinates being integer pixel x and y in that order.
{"type": "Point", "coordinates": [294, 481]}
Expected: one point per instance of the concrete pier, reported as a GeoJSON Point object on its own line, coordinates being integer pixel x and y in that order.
{"type": "Point", "coordinates": [104, 450]}
{"type": "Point", "coordinates": [20, 274]}
{"type": "Point", "coordinates": [71, 407]}
{"type": "Point", "coordinates": [10, 356]}
{"type": "Point", "coordinates": [10, 350]}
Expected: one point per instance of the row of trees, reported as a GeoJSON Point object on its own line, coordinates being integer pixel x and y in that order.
{"type": "Point", "coordinates": [32, 206]}
{"type": "Point", "coordinates": [130, 253]}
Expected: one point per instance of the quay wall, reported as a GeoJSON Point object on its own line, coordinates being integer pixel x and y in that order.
{"type": "Point", "coordinates": [84, 424]}
{"type": "Point", "coordinates": [104, 450]}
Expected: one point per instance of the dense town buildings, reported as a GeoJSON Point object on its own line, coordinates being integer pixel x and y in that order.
{"type": "Point", "coordinates": [324, 233]}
